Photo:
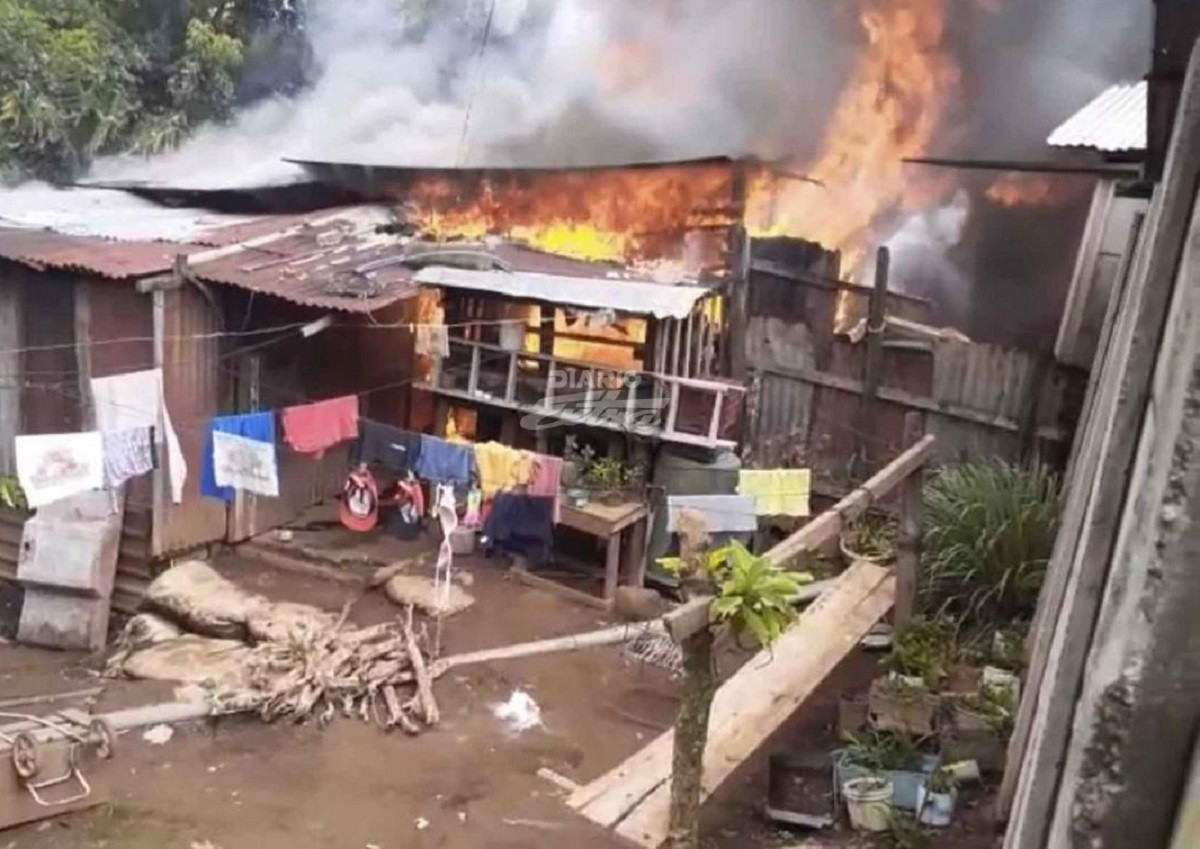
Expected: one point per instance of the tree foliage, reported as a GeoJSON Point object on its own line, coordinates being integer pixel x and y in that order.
{"type": "Point", "coordinates": [83, 78]}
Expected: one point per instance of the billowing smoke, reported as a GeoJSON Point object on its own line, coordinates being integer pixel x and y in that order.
{"type": "Point", "coordinates": [562, 82]}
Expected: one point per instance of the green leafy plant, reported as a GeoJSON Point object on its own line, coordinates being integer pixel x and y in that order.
{"type": "Point", "coordinates": [872, 537]}
{"type": "Point", "coordinates": [11, 494]}
{"type": "Point", "coordinates": [989, 530]}
{"type": "Point", "coordinates": [942, 782]}
{"type": "Point", "coordinates": [883, 750]}
{"type": "Point", "coordinates": [905, 832]}
{"type": "Point", "coordinates": [925, 649]}
{"type": "Point", "coordinates": [753, 594]}
{"type": "Point", "coordinates": [997, 705]}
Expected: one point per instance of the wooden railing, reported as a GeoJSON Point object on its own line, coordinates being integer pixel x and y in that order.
{"type": "Point", "coordinates": [644, 403]}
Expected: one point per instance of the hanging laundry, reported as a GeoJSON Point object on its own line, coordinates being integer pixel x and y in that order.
{"type": "Point", "coordinates": [723, 513]}
{"type": "Point", "coordinates": [445, 462]}
{"type": "Point", "coordinates": [502, 467]}
{"type": "Point", "coordinates": [53, 466]}
{"type": "Point", "coordinates": [385, 445]}
{"type": "Point", "coordinates": [127, 454]}
{"type": "Point", "coordinates": [136, 399]}
{"type": "Point", "coordinates": [245, 464]}
{"type": "Point", "coordinates": [777, 492]}
{"type": "Point", "coordinates": [359, 510]}
{"type": "Point", "coordinates": [313, 428]}
{"type": "Point", "coordinates": [547, 481]}
{"type": "Point", "coordinates": [521, 524]}
{"type": "Point", "coordinates": [405, 522]}
{"type": "Point", "coordinates": [259, 427]}
{"type": "Point", "coordinates": [472, 518]}
{"type": "Point", "coordinates": [432, 340]}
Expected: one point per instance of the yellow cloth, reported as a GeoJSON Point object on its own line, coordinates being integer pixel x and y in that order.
{"type": "Point", "coordinates": [777, 492]}
{"type": "Point", "coordinates": [502, 468]}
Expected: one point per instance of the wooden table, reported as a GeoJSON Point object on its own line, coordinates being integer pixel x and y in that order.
{"type": "Point", "coordinates": [609, 522]}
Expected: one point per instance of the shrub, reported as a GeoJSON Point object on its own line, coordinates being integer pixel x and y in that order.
{"type": "Point", "coordinates": [989, 530]}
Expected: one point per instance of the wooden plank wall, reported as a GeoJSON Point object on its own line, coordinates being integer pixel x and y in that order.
{"type": "Point", "coordinates": [978, 400]}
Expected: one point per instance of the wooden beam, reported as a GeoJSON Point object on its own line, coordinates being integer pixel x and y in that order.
{"type": "Point", "coordinates": [1078, 571]}
{"type": "Point", "coordinates": [634, 796]}
{"type": "Point", "coordinates": [908, 541]}
{"type": "Point", "coordinates": [83, 351]}
{"type": "Point", "coordinates": [832, 522]}
{"type": "Point", "coordinates": [873, 369]}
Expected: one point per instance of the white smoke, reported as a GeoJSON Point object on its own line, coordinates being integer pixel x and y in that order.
{"type": "Point", "coordinates": [723, 77]}
{"type": "Point", "coordinates": [921, 260]}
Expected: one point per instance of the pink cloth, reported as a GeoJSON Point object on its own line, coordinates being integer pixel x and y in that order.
{"type": "Point", "coordinates": [547, 480]}
{"type": "Point", "coordinates": [312, 428]}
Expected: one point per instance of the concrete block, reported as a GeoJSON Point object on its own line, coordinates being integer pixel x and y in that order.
{"type": "Point", "coordinates": [55, 620]}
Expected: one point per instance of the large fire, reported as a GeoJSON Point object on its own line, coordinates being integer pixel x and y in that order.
{"type": "Point", "coordinates": [891, 108]}
{"type": "Point", "coordinates": [624, 215]}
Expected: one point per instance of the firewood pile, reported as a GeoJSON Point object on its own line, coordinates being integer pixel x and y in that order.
{"type": "Point", "coordinates": [307, 664]}
{"type": "Point", "coordinates": [377, 673]}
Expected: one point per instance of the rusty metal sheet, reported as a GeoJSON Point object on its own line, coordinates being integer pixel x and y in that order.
{"type": "Point", "coordinates": [101, 257]}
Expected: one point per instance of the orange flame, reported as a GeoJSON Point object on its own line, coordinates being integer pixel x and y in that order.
{"type": "Point", "coordinates": [1025, 190]}
{"type": "Point", "coordinates": [895, 100]}
{"type": "Point", "coordinates": [618, 214]}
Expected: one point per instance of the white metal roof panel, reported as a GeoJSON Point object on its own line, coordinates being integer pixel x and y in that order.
{"type": "Point", "coordinates": [1114, 122]}
{"type": "Point", "coordinates": [638, 297]}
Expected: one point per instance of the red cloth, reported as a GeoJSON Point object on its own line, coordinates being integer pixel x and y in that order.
{"type": "Point", "coordinates": [547, 480]}
{"type": "Point", "coordinates": [359, 510]}
{"type": "Point", "coordinates": [311, 428]}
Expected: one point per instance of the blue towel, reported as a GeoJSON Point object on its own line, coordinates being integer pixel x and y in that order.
{"type": "Point", "coordinates": [257, 426]}
{"type": "Point", "coordinates": [445, 462]}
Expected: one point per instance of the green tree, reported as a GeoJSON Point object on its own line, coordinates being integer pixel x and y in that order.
{"type": "Point", "coordinates": [84, 78]}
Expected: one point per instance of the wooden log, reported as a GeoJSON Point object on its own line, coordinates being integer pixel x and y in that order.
{"type": "Point", "coordinates": [573, 642]}
{"type": "Point", "coordinates": [832, 522]}
{"type": "Point", "coordinates": [429, 706]}
{"type": "Point", "coordinates": [746, 709]}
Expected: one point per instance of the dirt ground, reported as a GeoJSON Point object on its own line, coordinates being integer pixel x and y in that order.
{"type": "Point", "coordinates": [236, 782]}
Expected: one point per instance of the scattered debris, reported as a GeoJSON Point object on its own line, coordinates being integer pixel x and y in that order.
{"type": "Point", "coordinates": [542, 824]}
{"type": "Point", "coordinates": [158, 734]}
{"type": "Point", "coordinates": [307, 662]}
{"type": "Point", "coordinates": [521, 712]}
{"type": "Point", "coordinates": [421, 823]}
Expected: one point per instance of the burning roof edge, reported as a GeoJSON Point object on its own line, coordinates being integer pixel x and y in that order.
{"type": "Point", "coordinates": [638, 297]}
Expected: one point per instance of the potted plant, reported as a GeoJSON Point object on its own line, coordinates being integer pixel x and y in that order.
{"type": "Point", "coordinates": [923, 652]}
{"type": "Point", "coordinates": [872, 538]}
{"type": "Point", "coordinates": [904, 704]}
{"type": "Point", "coordinates": [979, 727]}
{"type": "Point", "coordinates": [868, 801]}
{"type": "Point", "coordinates": [611, 480]}
{"type": "Point", "coordinates": [890, 755]}
{"type": "Point", "coordinates": [936, 799]}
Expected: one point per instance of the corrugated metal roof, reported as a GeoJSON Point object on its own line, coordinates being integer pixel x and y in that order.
{"type": "Point", "coordinates": [117, 260]}
{"type": "Point", "coordinates": [638, 297]}
{"type": "Point", "coordinates": [336, 262]}
{"type": "Point", "coordinates": [1114, 122]}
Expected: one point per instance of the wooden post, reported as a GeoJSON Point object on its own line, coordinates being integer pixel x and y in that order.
{"type": "Point", "coordinates": [83, 352]}
{"type": "Point", "coordinates": [739, 304]}
{"type": "Point", "coordinates": [872, 374]}
{"type": "Point", "coordinates": [908, 542]}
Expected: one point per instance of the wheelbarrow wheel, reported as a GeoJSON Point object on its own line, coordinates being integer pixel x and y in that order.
{"type": "Point", "coordinates": [102, 736]}
{"type": "Point", "coordinates": [26, 759]}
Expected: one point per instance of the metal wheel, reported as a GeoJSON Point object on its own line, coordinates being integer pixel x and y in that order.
{"type": "Point", "coordinates": [102, 736]}
{"type": "Point", "coordinates": [26, 759]}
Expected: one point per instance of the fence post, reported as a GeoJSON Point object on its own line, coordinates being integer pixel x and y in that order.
{"type": "Point", "coordinates": [908, 540]}
{"type": "Point", "coordinates": [876, 314]}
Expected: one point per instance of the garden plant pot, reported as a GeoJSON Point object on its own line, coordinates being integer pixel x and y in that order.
{"type": "Point", "coordinates": [905, 783]}
{"type": "Point", "coordinates": [985, 747]}
{"type": "Point", "coordinates": [908, 711]}
{"type": "Point", "coordinates": [868, 801]}
{"type": "Point", "coordinates": [969, 721]}
{"type": "Point", "coordinates": [936, 809]}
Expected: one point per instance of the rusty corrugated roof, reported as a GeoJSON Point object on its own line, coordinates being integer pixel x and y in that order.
{"type": "Point", "coordinates": [44, 249]}
{"type": "Point", "coordinates": [338, 261]}
{"type": "Point", "coordinates": [1115, 122]}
